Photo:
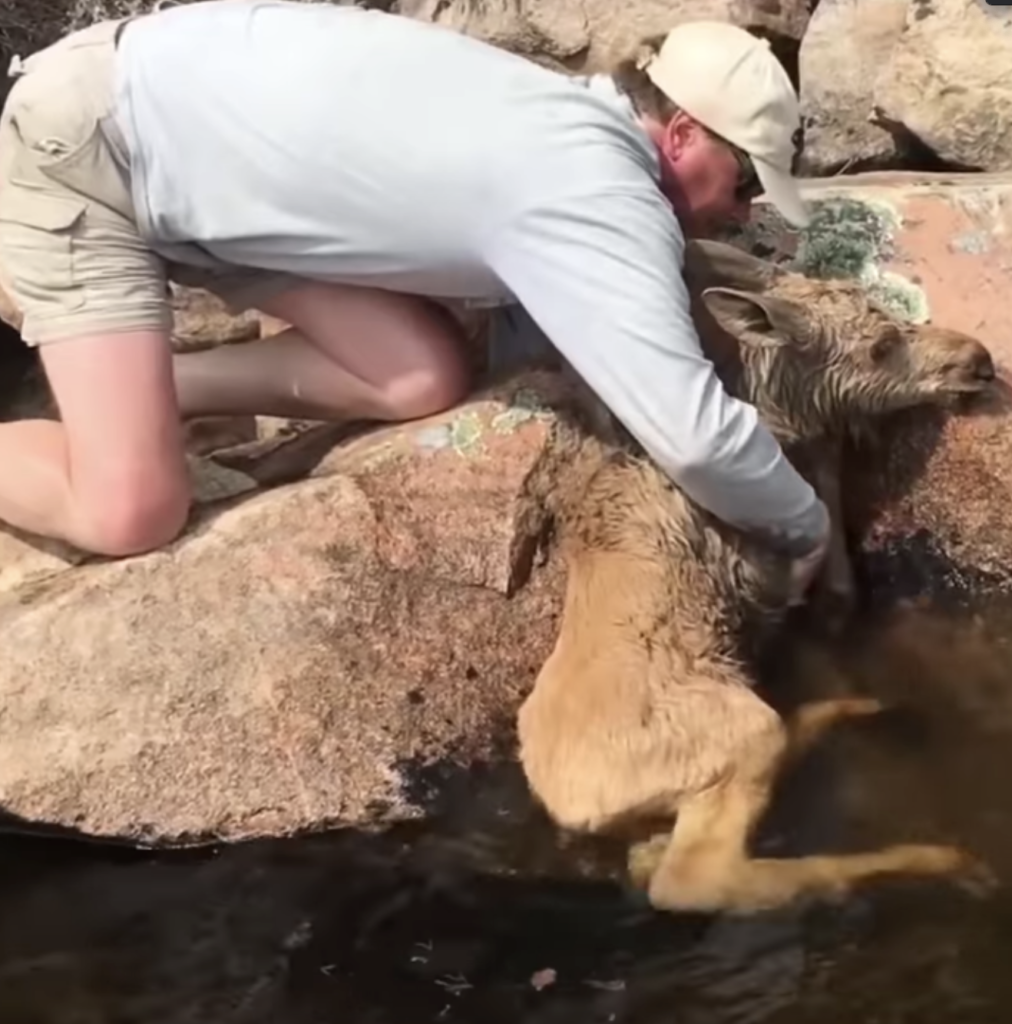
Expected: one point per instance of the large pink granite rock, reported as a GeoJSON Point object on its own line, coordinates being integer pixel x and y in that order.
{"type": "Point", "coordinates": [299, 656]}
{"type": "Point", "coordinates": [843, 48]}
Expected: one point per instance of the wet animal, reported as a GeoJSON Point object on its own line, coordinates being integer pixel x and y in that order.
{"type": "Point", "coordinates": [644, 718]}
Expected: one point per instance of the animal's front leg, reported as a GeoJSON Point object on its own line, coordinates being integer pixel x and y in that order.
{"type": "Point", "coordinates": [835, 592]}
{"type": "Point", "coordinates": [811, 721]}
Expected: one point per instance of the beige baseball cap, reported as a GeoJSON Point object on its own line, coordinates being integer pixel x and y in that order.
{"type": "Point", "coordinates": [730, 81]}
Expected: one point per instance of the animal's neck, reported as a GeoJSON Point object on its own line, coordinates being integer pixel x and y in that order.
{"type": "Point", "coordinates": [797, 399]}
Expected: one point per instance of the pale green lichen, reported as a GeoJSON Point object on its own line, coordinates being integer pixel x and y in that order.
{"type": "Point", "coordinates": [433, 437]}
{"type": "Point", "coordinates": [378, 456]}
{"type": "Point", "coordinates": [845, 237]}
{"type": "Point", "coordinates": [526, 406]}
{"type": "Point", "coordinates": [465, 433]}
{"type": "Point", "coordinates": [851, 238]}
{"type": "Point", "coordinates": [508, 420]}
{"type": "Point", "coordinates": [899, 295]}
{"type": "Point", "coordinates": [528, 398]}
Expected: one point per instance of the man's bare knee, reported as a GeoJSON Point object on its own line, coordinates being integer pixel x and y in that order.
{"type": "Point", "coordinates": [406, 355]}
{"type": "Point", "coordinates": [133, 520]}
{"type": "Point", "coordinates": [425, 391]}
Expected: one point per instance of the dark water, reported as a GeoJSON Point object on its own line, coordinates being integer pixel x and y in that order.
{"type": "Point", "coordinates": [494, 920]}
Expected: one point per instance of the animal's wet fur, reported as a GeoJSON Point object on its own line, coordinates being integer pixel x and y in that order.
{"type": "Point", "coordinates": [645, 709]}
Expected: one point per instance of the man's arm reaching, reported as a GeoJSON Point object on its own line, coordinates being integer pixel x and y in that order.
{"type": "Point", "coordinates": [602, 277]}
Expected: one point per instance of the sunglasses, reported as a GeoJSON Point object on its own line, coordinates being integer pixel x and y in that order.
{"type": "Point", "coordinates": [748, 186]}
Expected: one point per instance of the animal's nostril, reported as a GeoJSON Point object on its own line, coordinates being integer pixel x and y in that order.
{"type": "Point", "coordinates": [983, 367]}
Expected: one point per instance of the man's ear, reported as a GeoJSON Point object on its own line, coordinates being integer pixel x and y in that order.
{"type": "Point", "coordinates": [677, 133]}
{"type": "Point", "coordinates": [757, 319]}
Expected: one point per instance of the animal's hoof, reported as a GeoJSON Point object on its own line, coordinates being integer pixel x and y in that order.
{"type": "Point", "coordinates": [644, 859]}
{"type": "Point", "coordinates": [965, 870]}
{"type": "Point", "coordinates": [974, 877]}
{"type": "Point", "coordinates": [863, 707]}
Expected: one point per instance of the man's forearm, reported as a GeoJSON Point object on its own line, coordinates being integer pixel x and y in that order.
{"type": "Point", "coordinates": [740, 473]}
{"type": "Point", "coordinates": [708, 477]}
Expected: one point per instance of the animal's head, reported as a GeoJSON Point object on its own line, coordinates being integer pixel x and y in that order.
{"type": "Point", "coordinates": [816, 353]}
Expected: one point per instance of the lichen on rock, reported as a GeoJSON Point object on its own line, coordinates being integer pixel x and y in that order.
{"type": "Point", "coordinates": [847, 237]}
{"type": "Point", "coordinates": [850, 237]}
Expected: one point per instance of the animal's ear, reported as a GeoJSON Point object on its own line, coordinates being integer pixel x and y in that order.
{"type": "Point", "coordinates": [710, 264]}
{"type": "Point", "coordinates": [757, 319]}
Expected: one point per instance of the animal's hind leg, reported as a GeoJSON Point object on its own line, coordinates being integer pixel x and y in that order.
{"type": "Point", "coordinates": [706, 866]}
{"type": "Point", "coordinates": [720, 820]}
{"type": "Point", "coordinates": [804, 728]}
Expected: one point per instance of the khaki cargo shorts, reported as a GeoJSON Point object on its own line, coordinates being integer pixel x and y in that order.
{"type": "Point", "coordinates": [71, 257]}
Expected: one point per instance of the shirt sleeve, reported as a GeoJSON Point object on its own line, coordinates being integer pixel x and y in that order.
{"type": "Point", "coordinates": [601, 275]}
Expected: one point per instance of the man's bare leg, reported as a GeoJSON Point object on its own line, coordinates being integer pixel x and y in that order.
{"type": "Point", "coordinates": [351, 353]}
{"type": "Point", "coordinates": [111, 477]}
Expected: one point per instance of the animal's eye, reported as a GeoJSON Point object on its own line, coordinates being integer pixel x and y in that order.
{"type": "Point", "coordinates": [885, 341]}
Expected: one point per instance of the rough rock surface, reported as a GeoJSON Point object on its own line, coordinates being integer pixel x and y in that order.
{"type": "Point", "coordinates": [590, 34]}
{"type": "Point", "coordinates": [935, 247]}
{"type": "Point", "coordinates": [202, 320]}
{"type": "Point", "coordinates": [555, 33]}
{"type": "Point", "coordinates": [947, 81]}
{"type": "Point", "coordinates": [842, 52]}
{"type": "Point", "coordinates": [297, 655]}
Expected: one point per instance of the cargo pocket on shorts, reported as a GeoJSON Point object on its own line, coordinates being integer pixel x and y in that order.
{"type": "Point", "coordinates": [37, 250]}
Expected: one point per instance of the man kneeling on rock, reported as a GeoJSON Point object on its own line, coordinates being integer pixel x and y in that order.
{"type": "Point", "coordinates": [339, 169]}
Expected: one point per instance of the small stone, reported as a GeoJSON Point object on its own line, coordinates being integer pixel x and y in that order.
{"type": "Point", "coordinates": [202, 320]}
{"type": "Point", "coordinates": [543, 979]}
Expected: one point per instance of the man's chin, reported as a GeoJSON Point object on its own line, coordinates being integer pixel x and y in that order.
{"type": "Point", "coordinates": [697, 227]}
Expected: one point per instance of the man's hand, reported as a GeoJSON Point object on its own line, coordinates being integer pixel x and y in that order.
{"type": "Point", "coordinates": [805, 568]}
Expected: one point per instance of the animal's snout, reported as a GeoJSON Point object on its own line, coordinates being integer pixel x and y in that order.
{"type": "Point", "coordinates": [982, 366]}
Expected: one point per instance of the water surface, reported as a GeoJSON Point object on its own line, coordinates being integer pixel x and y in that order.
{"type": "Point", "coordinates": [493, 918]}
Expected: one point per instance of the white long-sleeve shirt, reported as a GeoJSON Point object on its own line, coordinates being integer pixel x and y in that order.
{"type": "Point", "coordinates": [349, 145]}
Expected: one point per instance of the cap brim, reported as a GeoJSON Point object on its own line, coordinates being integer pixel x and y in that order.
{"type": "Point", "coordinates": [782, 190]}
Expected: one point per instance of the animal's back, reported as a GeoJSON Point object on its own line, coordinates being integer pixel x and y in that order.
{"type": "Point", "coordinates": [641, 695]}
{"type": "Point", "coordinates": [616, 730]}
